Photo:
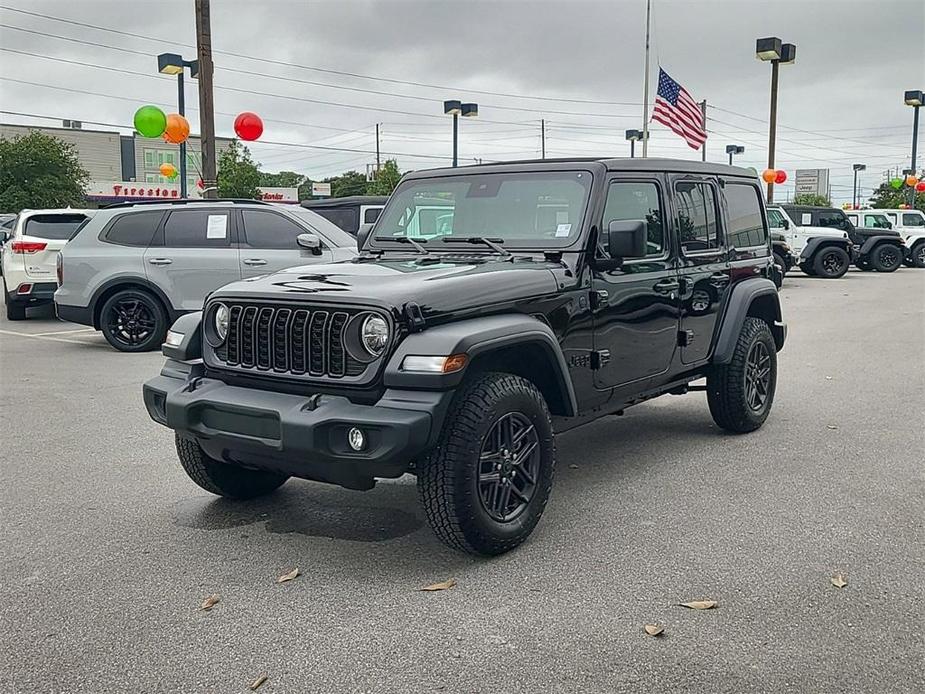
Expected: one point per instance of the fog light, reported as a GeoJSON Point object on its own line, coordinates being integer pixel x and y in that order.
{"type": "Point", "coordinates": [356, 439]}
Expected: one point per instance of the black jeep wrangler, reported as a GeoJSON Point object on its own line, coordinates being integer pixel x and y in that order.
{"type": "Point", "coordinates": [544, 295]}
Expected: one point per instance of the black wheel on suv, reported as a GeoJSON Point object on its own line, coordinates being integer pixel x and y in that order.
{"type": "Point", "coordinates": [485, 485]}
{"type": "Point", "coordinates": [14, 310]}
{"type": "Point", "coordinates": [781, 263]}
{"type": "Point", "coordinates": [740, 393]}
{"type": "Point", "coordinates": [224, 479]}
{"type": "Point", "coordinates": [807, 269]}
{"type": "Point", "coordinates": [917, 256]}
{"type": "Point", "coordinates": [886, 257]}
{"type": "Point", "coordinates": [132, 320]}
{"type": "Point", "coordinates": [831, 262]}
{"type": "Point", "coordinates": [863, 265]}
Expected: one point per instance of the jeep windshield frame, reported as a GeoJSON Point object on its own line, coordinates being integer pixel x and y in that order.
{"type": "Point", "coordinates": [522, 209]}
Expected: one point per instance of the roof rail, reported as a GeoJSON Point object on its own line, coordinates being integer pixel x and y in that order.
{"type": "Point", "coordinates": [186, 201]}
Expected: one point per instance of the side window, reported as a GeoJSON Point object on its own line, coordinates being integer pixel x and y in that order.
{"type": "Point", "coordinates": [270, 230]}
{"type": "Point", "coordinates": [834, 219]}
{"type": "Point", "coordinates": [133, 229]}
{"type": "Point", "coordinates": [745, 227]}
{"type": "Point", "coordinates": [697, 226]}
{"type": "Point", "coordinates": [347, 218]}
{"type": "Point", "coordinates": [371, 214]}
{"type": "Point", "coordinates": [197, 229]}
{"type": "Point", "coordinates": [853, 218]}
{"type": "Point", "coordinates": [913, 220]}
{"type": "Point", "coordinates": [631, 201]}
{"type": "Point", "coordinates": [775, 219]}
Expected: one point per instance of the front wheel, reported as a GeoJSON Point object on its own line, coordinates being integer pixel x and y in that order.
{"type": "Point", "coordinates": [917, 256]}
{"type": "Point", "coordinates": [886, 257]}
{"type": "Point", "coordinates": [224, 479]}
{"type": "Point", "coordinates": [741, 392]}
{"type": "Point", "coordinates": [133, 320]}
{"type": "Point", "coordinates": [485, 485]}
{"type": "Point", "coordinates": [831, 262]}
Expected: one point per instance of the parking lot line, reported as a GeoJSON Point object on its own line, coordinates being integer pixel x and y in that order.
{"type": "Point", "coordinates": [65, 332]}
{"type": "Point", "coordinates": [44, 336]}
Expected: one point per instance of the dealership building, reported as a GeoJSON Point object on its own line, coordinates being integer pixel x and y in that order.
{"type": "Point", "coordinates": [127, 167]}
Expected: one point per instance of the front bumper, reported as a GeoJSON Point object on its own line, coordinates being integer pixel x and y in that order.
{"type": "Point", "coordinates": [300, 435]}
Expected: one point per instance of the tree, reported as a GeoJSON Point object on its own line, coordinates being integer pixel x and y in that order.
{"type": "Point", "coordinates": [812, 199]}
{"type": "Point", "coordinates": [283, 179]}
{"type": "Point", "coordinates": [349, 183]}
{"type": "Point", "coordinates": [40, 171]}
{"type": "Point", "coordinates": [238, 175]}
{"type": "Point", "coordinates": [387, 178]}
{"type": "Point", "coordinates": [888, 197]}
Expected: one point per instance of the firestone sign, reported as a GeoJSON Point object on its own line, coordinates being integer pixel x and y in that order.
{"type": "Point", "coordinates": [130, 190]}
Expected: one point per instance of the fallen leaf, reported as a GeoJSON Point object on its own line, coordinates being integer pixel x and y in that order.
{"type": "Point", "coordinates": [443, 585]}
{"type": "Point", "coordinates": [210, 601]}
{"type": "Point", "coordinates": [831, 426]}
{"type": "Point", "coordinates": [839, 581]}
{"type": "Point", "coordinates": [257, 682]}
{"type": "Point", "coordinates": [654, 629]}
{"type": "Point", "coordinates": [699, 604]}
{"type": "Point", "coordinates": [289, 576]}
{"type": "Point", "coordinates": [828, 378]}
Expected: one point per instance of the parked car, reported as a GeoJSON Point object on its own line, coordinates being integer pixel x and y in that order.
{"type": "Point", "coordinates": [911, 226]}
{"type": "Point", "coordinates": [30, 253]}
{"type": "Point", "coordinates": [6, 229]}
{"type": "Point", "coordinates": [877, 249]}
{"type": "Point", "coordinates": [783, 255]}
{"type": "Point", "coordinates": [349, 213]}
{"type": "Point", "coordinates": [819, 251]}
{"type": "Point", "coordinates": [457, 357]}
{"type": "Point", "coordinates": [137, 266]}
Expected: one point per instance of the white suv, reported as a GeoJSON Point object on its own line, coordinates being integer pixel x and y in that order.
{"type": "Point", "coordinates": [820, 251]}
{"type": "Point", "coordinates": [911, 226]}
{"type": "Point", "coordinates": [30, 254]}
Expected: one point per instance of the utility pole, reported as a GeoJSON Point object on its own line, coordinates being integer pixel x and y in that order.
{"type": "Point", "coordinates": [206, 103]}
{"type": "Point", "coordinates": [377, 149]}
{"type": "Point", "coordinates": [645, 98]}
{"type": "Point", "coordinates": [772, 131]}
{"type": "Point", "coordinates": [543, 136]}
{"type": "Point", "coordinates": [703, 147]}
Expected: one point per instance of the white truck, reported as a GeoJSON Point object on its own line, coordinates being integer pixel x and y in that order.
{"type": "Point", "coordinates": [824, 252]}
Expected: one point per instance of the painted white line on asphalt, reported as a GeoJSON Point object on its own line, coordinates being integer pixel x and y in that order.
{"type": "Point", "coordinates": [64, 332]}
{"type": "Point", "coordinates": [44, 337]}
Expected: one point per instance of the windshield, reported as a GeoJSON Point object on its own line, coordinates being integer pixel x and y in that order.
{"type": "Point", "coordinates": [532, 210]}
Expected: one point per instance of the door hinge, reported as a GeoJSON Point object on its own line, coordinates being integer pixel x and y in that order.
{"type": "Point", "coordinates": [599, 358]}
{"type": "Point", "coordinates": [685, 338]}
{"type": "Point", "coordinates": [598, 298]}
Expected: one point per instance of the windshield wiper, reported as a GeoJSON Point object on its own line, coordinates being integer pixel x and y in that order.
{"type": "Point", "coordinates": [493, 244]}
{"type": "Point", "coordinates": [416, 242]}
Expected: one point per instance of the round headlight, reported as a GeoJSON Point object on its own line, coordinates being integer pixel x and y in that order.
{"type": "Point", "coordinates": [374, 335]}
{"type": "Point", "coordinates": [220, 319]}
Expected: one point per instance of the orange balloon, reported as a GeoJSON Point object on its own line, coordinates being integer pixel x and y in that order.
{"type": "Point", "coordinates": [177, 130]}
{"type": "Point", "coordinates": [911, 180]}
{"type": "Point", "coordinates": [168, 170]}
{"type": "Point", "coordinates": [768, 175]}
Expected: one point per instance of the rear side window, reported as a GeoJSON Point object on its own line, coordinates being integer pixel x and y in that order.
{"type": "Point", "coordinates": [745, 227]}
{"type": "Point", "coordinates": [270, 230]}
{"type": "Point", "coordinates": [913, 220]}
{"type": "Point", "coordinates": [632, 201]}
{"type": "Point", "coordinates": [697, 219]}
{"type": "Point", "coordinates": [832, 218]}
{"type": "Point", "coordinates": [347, 218]}
{"type": "Point", "coordinates": [371, 214]}
{"type": "Point", "coordinates": [53, 226]}
{"type": "Point", "coordinates": [133, 229]}
{"type": "Point", "coordinates": [197, 229]}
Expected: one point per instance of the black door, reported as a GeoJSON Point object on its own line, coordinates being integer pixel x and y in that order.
{"type": "Point", "coordinates": [704, 267]}
{"type": "Point", "coordinates": [636, 306]}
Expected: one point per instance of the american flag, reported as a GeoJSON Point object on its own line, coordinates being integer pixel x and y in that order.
{"type": "Point", "coordinates": [676, 108]}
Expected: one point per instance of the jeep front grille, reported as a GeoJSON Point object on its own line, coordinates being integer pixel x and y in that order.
{"type": "Point", "coordinates": [288, 340]}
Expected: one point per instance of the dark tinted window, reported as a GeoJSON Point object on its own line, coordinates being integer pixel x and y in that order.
{"type": "Point", "coordinates": [347, 218]}
{"type": "Point", "coordinates": [913, 220]}
{"type": "Point", "coordinates": [371, 215]}
{"type": "Point", "coordinates": [270, 230]}
{"type": "Point", "coordinates": [832, 218]}
{"type": "Point", "coordinates": [134, 229]}
{"type": "Point", "coordinates": [53, 226]}
{"type": "Point", "coordinates": [197, 229]}
{"type": "Point", "coordinates": [631, 201]}
{"type": "Point", "coordinates": [745, 227]}
{"type": "Point", "coordinates": [697, 227]}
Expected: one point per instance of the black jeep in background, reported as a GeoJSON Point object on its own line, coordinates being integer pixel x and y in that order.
{"type": "Point", "coordinates": [543, 295]}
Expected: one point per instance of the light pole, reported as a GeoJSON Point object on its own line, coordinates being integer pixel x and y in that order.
{"type": "Point", "coordinates": [173, 64]}
{"type": "Point", "coordinates": [634, 136]}
{"type": "Point", "coordinates": [914, 99]}
{"type": "Point", "coordinates": [734, 149]}
{"type": "Point", "coordinates": [854, 199]}
{"type": "Point", "coordinates": [457, 109]}
{"type": "Point", "coordinates": [778, 53]}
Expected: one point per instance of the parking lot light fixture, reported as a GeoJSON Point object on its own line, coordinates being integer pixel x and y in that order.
{"type": "Point", "coordinates": [857, 168]}
{"type": "Point", "coordinates": [634, 136]}
{"type": "Point", "coordinates": [778, 53]}
{"type": "Point", "coordinates": [734, 149]}
{"type": "Point", "coordinates": [914, 98]}
{"type": "Point", "coordinates": [456, 109]}
{"type": "Point", "coordinates": [174, 64]}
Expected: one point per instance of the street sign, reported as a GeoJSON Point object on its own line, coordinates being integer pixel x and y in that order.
{"type": "Point", "coordinates": [321, 189]}
{"type": "Point", "coordinates": [812, 181]}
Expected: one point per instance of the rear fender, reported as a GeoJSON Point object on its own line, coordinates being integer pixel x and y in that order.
{"type": "Point", "coordinates": [755, 297]}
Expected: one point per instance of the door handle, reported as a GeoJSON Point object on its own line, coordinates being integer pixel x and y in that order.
{"type": "Point", "coordinates": [667, 286]}
{"type": "Point", "coordinates": [254, 261]}
{"type": "Point", "coordinates": [160, 261]}
{"type": "Point", "coordinates": [719, 279]}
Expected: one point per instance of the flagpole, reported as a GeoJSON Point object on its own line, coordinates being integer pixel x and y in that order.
{"type": "Point", "coordinates": [645, 98]}
{"type": "Point", "coordinates": [703, 147]}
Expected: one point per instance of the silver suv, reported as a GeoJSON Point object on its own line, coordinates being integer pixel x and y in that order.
{"type": "Point", "coordinates": [134, 268]}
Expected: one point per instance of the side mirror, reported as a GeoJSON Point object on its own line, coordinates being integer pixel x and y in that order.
{"type": "Point", "coordinates": [627, 239]}
{"type": "Point", "coordinates": [786, 224]}
{"type": "Point", "coordinates": [310, 242]}
{"type": "Point", "coordinates": [363, 234]}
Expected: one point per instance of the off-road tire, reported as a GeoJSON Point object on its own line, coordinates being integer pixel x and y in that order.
{"type": "Point", "coordinates": [448, 476]}
{"type": "Point", "coordinates": [807, 269]}
{"type": "Point", "coordinates": [726, 385]}
{"type": "Point", "coordinates": [886, 257]}
{"type": "Point", "coordinates": [831, 262]}
{"type": "Point", "coordinates": [224, 479]}
{"type": "Point", "coordinates": [152, 305]}
{"type": "Point", "coordinates": [14, 310]}
{"type": "Point", "coordinates": [782, 269]}
{"type": "Point", "coordinates": [863, 265]}
{"type": "Point", "coordinates": [917, 255]}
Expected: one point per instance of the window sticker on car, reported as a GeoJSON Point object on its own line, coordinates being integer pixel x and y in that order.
{"type": "Point", "coordinates": [807, 219]}
{"type": "Point", "coordinates": [563, 230]}
{"type": "Point", "coordinates": [217, 227]}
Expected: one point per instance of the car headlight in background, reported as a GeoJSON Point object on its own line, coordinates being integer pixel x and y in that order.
{"type": "Point", "coordinates": [374, 335]}
{"type": "Point", "coordinates": [220, 319]}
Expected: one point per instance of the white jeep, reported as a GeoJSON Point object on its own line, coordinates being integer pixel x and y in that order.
{"type": "Point", "coordinates": [820, 251]}
{"type": "Point", "coordinates": [911, 226]}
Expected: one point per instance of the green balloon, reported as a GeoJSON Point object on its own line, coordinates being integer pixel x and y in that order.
{"type": "Point", "coordinates": [897, 183]}
{"type": "Point", "coordinates": [150, 121]}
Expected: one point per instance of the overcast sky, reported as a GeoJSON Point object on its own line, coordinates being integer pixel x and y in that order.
{"type": "Point", "coordinates": [577, 64]}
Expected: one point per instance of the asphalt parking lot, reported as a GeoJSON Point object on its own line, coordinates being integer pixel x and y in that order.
{"type": "Point", "coordinates": [108, 549]}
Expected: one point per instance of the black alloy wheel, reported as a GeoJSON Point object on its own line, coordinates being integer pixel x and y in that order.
{"type": "Point", "coordinates": [509, 464]}
{"type": "Point", "coordinates": [757, 376]}
{"type": "Point", "coordinates": [918, 255]}
{"type": "Point", "coordinates": [887, 257]}
{"type": "Point", "coordinates": [831, 262]}
{"type": "Point", "coordinates": [133, 321]}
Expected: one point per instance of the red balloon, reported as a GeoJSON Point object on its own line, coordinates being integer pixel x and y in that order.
{"type": "Point", "coordinates": [780, 176]}
{"type": "Point", "coordinates": [248, 126]}
{"type": "Point", "coordinates": [920, 187]}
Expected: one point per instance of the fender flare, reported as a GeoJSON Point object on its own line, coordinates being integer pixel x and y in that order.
{"type": "Point", "coordinates": [816, 242]}
{"type": "Point", "coordinates": [874, 241]}
{"type": "Point", "coordinates": [477, 337]}
{"type": "Point", "coordinates": [172, 313]}
{"type": "Point", "coordinates": [743, 295]}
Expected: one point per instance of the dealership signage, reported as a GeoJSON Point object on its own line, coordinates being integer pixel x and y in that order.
{"type": "Point", "coordinates": [813, 181]}
{"type": "Point", "coordinates": [321, 189]}
{"type": "Point", "coordinates": [130, 190]}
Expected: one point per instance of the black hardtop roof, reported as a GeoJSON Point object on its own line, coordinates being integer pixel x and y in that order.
{"type": "Point", "coordinates": [649, 164]}
{"type": "Point", "coordinates": [809, 208]}
{"type": "Point", "coordinates": [347, 201]}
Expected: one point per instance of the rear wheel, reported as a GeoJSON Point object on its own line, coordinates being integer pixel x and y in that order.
{"type": "Point", "coordinates": [224, 479]}
{"type": "Point", "coordinates": [14, 309]}
{"type": "Point", "coordinates": [886, 257]}
{"type": "Point", "coordinates": [807, 269]}
{"type": "Point", "coordinates": [133, 320]}
{"type": "Point", "coordinates": [831, 262]}
{"type": "Point", "coordinates": [917, 256]}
